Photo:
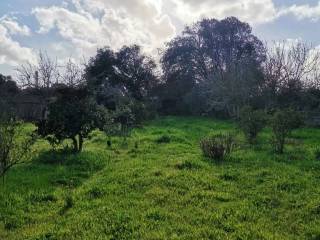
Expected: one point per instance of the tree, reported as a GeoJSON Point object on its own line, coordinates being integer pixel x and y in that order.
{"type": "Point", "coordinates": [45, 75]}
{"type": "Point", "coordinates": [8, 91]}
{"type": "Point", "coordinates": [128, 70]}
{"type": "Point", "coordinates": [41, 75]}
{"type": "Point", "coordinates": [222, 56]}
{"type": "Point", "coordinates": [8, 87]}
{"type": "Point", "coordinates": [283, 123]}
{"type": "Point", "coordinates": [136, 72]}
{"type": "Point", "coordinates": [251, 122]}
{"type": "Point", "coordinates": [15, 148]}
{"type": "Point", "coordinates": [72, 115]}
{"type": "Point", "coordinates": [291, 67]}
{"type": "Point", "coordinates": [125, 76]}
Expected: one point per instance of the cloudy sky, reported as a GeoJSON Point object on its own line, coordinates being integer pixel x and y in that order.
{"type": "Point", "coordinates": [76, 28]}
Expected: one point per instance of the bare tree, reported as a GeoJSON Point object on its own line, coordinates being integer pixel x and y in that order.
{"type": "Point", "coordinates": [42, 75]}
{"type": "Point", "coordinates": [290, 67]}
{"type": "Point", "coordinates": [72, 74]}
{"type": "Point", "coordinates": [291, 63]}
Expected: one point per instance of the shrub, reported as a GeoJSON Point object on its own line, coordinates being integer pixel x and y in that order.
{"type": "Point", "coordinates": [15, 147]}
{"type": "Point", "coordinates": [120, 123]}
{"type": "Point", "coordinates": [251, 122]}
{"type": "Point", "coordinates": [217, 147]}
{"type": "Point", "coordinates": [283, 123]}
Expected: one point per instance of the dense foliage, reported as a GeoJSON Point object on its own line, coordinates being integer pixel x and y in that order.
{"type": "Point", "coordinates": [126, 77]}
{"type": "Point", "coordinates": [216, 62]}
{"type": "Point", "coordinates": [72, 115]}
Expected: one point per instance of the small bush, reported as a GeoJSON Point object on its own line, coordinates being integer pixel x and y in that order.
{"type": "Point", "coordinates": [283, 123]}
{"type": "Point", "coordinates": [217, 147]}
{"type": "Point", "coordinates": [252, 122]}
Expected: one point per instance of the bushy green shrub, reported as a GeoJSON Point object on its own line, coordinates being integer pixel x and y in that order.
{"type": "Point", "coordinates": [251, 122]}
{"type": "Point", "coordinates": [283, 123]}
{"type": "Point", "coordinates": [217, 147]}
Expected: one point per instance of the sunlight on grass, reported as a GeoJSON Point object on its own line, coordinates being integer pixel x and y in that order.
{"type": "Point", "coordinates": [159, 186]}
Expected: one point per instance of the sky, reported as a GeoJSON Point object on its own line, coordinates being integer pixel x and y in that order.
{"type": "Point", "coordinates": [75, 29]}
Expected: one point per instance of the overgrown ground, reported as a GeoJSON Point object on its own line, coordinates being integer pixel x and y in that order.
{"type": "Point", "coordinates": [153, 189]}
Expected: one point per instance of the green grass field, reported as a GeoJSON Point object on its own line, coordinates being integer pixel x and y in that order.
{"type": "Point", "coordinates": [152, 190]}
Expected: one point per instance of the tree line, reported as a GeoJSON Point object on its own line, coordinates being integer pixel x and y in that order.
{"type": "Point", "coordinates": [212, 68]}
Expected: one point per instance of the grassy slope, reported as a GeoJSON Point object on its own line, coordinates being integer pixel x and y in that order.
{"type": "Point", "coordinates": [166, 191]}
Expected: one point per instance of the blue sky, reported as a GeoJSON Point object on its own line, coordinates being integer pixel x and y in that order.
{"type": "Point", "coordinates": [76, 28]}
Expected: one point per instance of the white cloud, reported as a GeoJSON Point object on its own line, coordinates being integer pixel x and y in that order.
{"type": "Point", "coordinates": [252, 11]}
{"type": "Point", "coordinates": [85, 25]}
{"type": "Point", "coordinates": [11, 51]}
{"type": "Point", "coordinates": [14, 27]}
{"type": "Point", "coordinates": [98, 23]}
{"type": "Point", "coordinates": [302, 11]}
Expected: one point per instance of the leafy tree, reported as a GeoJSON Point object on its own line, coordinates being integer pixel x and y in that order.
{"type": "Point", "coordinates": [8, 87]}
{"type": "Point", "coordinates": [8, 91]}
{"type": "Point", "coordinates": [251, 122]}
{"type": "Point", "coordinates": [283, 123]}
{"type": "Point", "coordinates": [127, 75]}
{"type": "Point", "coordinates": [222, 56]}
{"type": "Point", "coordinates": [129, 71]}
{"type": "Point", "coordinates": [136, 72]}
{"type": "Point", "coordinates": [72, 115]}
{"type": "Point", "coordinates": [15, 147]}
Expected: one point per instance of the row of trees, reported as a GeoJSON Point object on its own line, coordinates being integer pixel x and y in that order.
{"type": "Point", "coordinates": [213, 68]}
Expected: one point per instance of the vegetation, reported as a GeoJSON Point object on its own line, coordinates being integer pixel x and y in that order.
{"type": "Point", "coordinates": [73, 115]}
{"type": "Point", "coordinates": [14, 147]}
{"type": "Point", "coordinates": [283, 123]}
{"type": "Point", "coordinates": [252, 122]}
{"type": "Point", "coordinates": [166, 191]}
{"type": "Point", "coordinates": [217, 147]}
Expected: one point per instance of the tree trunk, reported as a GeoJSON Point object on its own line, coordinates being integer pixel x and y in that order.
{"type": "Point", "coordinates": [75, 144]}
{"type": "Point", "coordinates": [80, 143]}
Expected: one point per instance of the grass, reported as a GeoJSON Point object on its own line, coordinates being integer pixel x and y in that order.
{"type": "Point", "coordinates": [159, 186]}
